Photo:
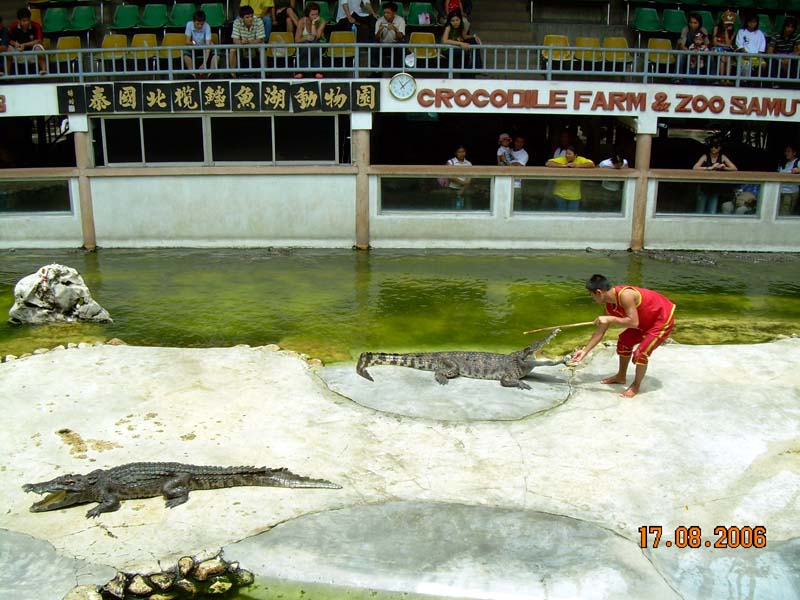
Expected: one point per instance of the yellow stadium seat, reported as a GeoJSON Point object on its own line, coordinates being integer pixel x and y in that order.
{"type": "Point", "coordinates": [342, 37]}
{"type": "Point", "coordinates": [172, 39]}
{"type": "Point", "coordinates": [556, 40]}
{"type": "Point", "coordinates": [423, 38]}
{"type": "Point", "coordinates": [280, 37]}
{"type": "Point", "coordinates": [112, 42]}
{"type": "Point", "coordinates": [148, 43]}
{"type": "Point", "coordinates": [67, 42]}
{"type": "Point", "coordinates": [616, 51]}
{"type": "Point", "coordinates": [588, 56]}
{"type": "Point", "coordinates": [656, 58]}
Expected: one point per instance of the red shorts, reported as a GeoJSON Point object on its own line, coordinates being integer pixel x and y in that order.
{"type": "Point", "coordinates": [647, 340]}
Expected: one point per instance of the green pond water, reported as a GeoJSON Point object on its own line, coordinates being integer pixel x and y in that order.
{"type": "Point", "coordinates": [334, 304]}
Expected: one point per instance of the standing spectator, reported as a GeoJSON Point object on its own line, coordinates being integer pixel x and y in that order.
{"type": "Point", "coordinates": [390, 29]}
{"type": "Point", "coordinates": [459, 184]}
{"type": "Point", "coordinates": [247, 31]}
{"type": "Point", "coordinates": [786, 42]}
{"type": "Point", "coordinates": [198, 33]}
{"type": "Point", "coordinates": [3, 46]}
{"type": "Point", "coordinates": [615, 162]}
{"type": "Point", "coordinates": [284, 16]}
{"type": "Point", "coordinates": [519, 158]}
{"type": "Point", "coordinates": [712, 160]}
{"type": "Point", "coordinates": [445, 7]}
{"type": "Point", "coordinates": [26, 36]}
{"type": "Point", "coordinates": [686, 39]}
{"type": "Point", "coordinates": [504, 156]}
{"type": "Point", "coordinates": [750, 39]}
{"type": "Point", "coordinates": [358, 15]}
{"type": "Point", "coordinates": [310, 30]}
{"type": "Point", "coordinates": [789, 192]}
{"type": "Point", "coordinates": [567, 192]}
{"type": "Point", "coordinates": [263, 9]}
{"type": "Point", "coordinates": [722, 40]}
{"type": "Point", "coordinates": [457, 33]}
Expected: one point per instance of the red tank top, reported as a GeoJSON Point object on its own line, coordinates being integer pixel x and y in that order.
{"type": "Point", "coordinates": [653, 308]}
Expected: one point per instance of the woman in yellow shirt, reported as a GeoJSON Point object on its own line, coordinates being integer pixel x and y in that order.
{"type": "Point", "coordinates": [567, 192]}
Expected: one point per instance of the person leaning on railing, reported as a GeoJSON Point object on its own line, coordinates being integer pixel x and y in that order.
{"type": "Point", "coordinates": [247, 31]}
{"type": "Point", "coordinates": [786, 42]}
{"type": "Point", "coordinates": [790, 192]}
{"type": "Point", "coordinates": [567, 192]}
{"type": "Point", "coordinates": [457, 33]}
{"type": "Point", "coordinates": [712, 160]}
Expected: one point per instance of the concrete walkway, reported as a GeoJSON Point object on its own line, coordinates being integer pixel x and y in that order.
{"type": "Point", "coordinates": [467, 490]}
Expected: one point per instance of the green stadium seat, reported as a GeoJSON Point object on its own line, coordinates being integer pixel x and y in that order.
{"type": "Point", "coordinates": [674, 20]}
{"type": "Point", "coordinates": [779, 19]}
{"type": "Point", "coordinates": [181, 14]}
{"type": "Point", "coordinates": [707, 19]}
{"type": "Point", "coordinates": [83, 18]}
{"type": "Point", "coordinates": [126, 16]}
{"type": "Point", "coordinates": [325, 12]}
{"type": "Point", "coordinates": [773, 5]}
{"type": "Point", "coordinates": [646, 19]}
{"type": "Point", "coordinates": [765, 24]}
{"type": "Point", "coordinates": [415, 9]}
{"type": "Point", "coordinates": [154, 16]}
{"type": "Point", "coordinates": [56, 20]}
{"type": "Point", "coordinates": [215, 13]}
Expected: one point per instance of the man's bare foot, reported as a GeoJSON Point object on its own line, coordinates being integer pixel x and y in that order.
{"type": "Point", "coordinates": [630, 392]}
{"type": "Point", "coordinates": [613, 379]}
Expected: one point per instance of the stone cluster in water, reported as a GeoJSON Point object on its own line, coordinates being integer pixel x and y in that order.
{"type": "Point", "coordinates": [190, 578]}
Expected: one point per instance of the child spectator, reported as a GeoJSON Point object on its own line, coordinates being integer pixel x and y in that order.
{"type": "Point", "coordinates": [504, 155]}
{"type": "Point", "coordinates": [459, 184]}
{"type": "Point", "coordinates": [750, 39]}
{"type": "Point", "coordinates": [697, 61]}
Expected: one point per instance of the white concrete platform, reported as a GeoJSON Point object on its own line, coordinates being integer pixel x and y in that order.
{"type": "Point", "coordinates": [490, 504]}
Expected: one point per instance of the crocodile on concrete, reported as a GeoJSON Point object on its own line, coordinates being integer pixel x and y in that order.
{"type": "Point", "coordinates": [147, 479]}
{"type": "Point", "coordinates": [509, 369]}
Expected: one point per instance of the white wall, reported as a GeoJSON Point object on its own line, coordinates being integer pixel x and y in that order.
{"type": "Point", "coordinates": [44, 229]}
{"type": "Point", "coordinates": [277, 210]}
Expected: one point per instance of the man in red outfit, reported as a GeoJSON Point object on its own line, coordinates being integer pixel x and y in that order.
{"type": "Point", "coordinates": [648, 317]}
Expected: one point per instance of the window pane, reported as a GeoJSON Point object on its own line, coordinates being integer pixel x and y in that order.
{"type": "Point", "coordinates": [123, 141]}
{"type": "Point", "coordinates": [34, 196]}
{"type": "Point", "coordinates": [568, 195]}
{"type": "Point", "coordinates": [684, 197]}
{"type": "Point", "coordinates": [425, 193]}
{"type": "Point", "coordinates": [241, 139]}
{"type": "Point", "coordinates": [173, 140]}
{"type": "Point", "coordinates": [305, 138]}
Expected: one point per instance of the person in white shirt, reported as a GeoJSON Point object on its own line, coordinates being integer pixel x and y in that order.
{"type": "Point", "coordinates": [789, 192]}
{"type": "Point", "coordinates": [519, 158]}
{"type": "Point", "coordinates": [459, 184]}
{"type": "Point", "coordinates": [752, 40]}
{"type": "Point", "coordinates": [615, 162]}
{"type": "Point", "coordinates": [390, 29]}
{"type": "Point", "coordinates": [198, 33]}
{"type": "Point", "coordinates": [358, 15]}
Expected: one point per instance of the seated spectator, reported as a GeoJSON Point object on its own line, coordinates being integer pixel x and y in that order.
{"type": "Point", "coordinates": [687, 38]}
{"type": "Point", "coordinates": [390, 29]}
{"type": "Point", "coordinates": [567, 192]}
{"type": "Point", "coordinates": [284, 16]}
{"type": "Point", "coordinates": [263, 9]}
{"type": "Point", "coordinates": [3, 46]}
{"type": "Point", "coordinates": [457, 33]}
{"type": "Point", "coordinates": [26, 36]}
{"type": "Point", "coordinates": [745, 200]}
{"type": "Point", "coordinates": [785, 42]}
{"type": "Point", "coordinates": [358, 15]}
{"type": "Point", "coordinates": [722, 40]}
{"type": "Point", "coordinates": [247, 31]}
{"type": "Point", "coordinates": [750, 39]}
{"type": "Point", "coordinates": [198, 33]}
{"type": "Point", "coordinates": [310, 30]}
{"type": "Point", "coordinates": [445, 7]}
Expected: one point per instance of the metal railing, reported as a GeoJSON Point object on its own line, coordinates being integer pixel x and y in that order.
{"type": "Point", "coordinates": [276, 61]}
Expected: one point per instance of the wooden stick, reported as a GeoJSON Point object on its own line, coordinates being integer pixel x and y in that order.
{"type": "Point", "coordinates": [558, 327]}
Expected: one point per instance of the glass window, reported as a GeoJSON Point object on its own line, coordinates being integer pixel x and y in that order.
{"type": "Point", "coordinates": [300, 138]}
{"type": "Point", "coordinates": [246, 139]}
{"type": "Point", "coordinates": [707, 198]}
{"type": "Point", "coordinates": [34, 196]}
{"type": "Point", "coordinates": [430, 194]}
{"type": "Point", "coordinates": [568, 195]}
{"type": "Point", "coordinates": [173, 140]}
{"type": "Point", "coordinates": [123, 140]}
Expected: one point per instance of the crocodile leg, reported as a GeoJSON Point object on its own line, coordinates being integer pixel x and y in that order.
{"type": "Point", "coordinates": [109, 503]}
{"type": "Point", "coordinates": [176, 490]}
{"type": "Point", "coordinates": [511, 381]}
{"type": "Point", "coordinates": [446, 369]}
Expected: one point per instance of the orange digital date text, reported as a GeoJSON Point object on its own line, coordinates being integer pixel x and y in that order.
{"type": "Point", "coordinates": [650, 536]}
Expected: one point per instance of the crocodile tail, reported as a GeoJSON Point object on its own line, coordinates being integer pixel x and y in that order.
{"type": "Point", "coordinates": [285, 478]}
{"type": "Point", "coordinates": [364, 361]}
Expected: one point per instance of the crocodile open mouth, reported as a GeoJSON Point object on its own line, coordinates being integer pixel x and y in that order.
{"type": "Point", "coordinates": [52, 501]}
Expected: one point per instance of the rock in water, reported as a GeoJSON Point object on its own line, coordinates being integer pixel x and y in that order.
{"type": "Point", "coordinates": [55, 294]}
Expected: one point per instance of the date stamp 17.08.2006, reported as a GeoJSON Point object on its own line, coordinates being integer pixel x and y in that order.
{"type": "Point", "coordinates": [651, 536]}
